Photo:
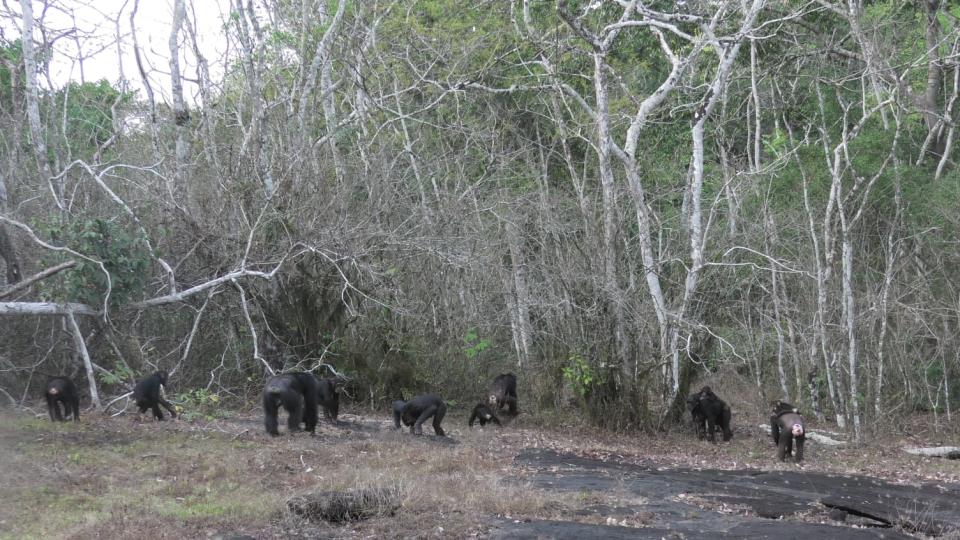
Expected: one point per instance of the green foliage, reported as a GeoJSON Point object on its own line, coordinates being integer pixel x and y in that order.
{"type": "Point", "coordinates": [11, 69]}
{"type": "Point", "coordinates": [119, 374]}
{"type": "Point", "coordinates": [199, 403]}
{"type": "Point", "coordinates": [474, 343]}
{"type": "Point", "coordinates": [580, 375]}
{"type": "Point", "coordinates": [88, 110]}
{"type": "Point", "coordinates": [123, 254]}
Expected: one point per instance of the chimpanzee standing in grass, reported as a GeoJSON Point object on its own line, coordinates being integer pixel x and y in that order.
{"type": "Point", "coordinates": [503, 392]}
{"type": "Point", "coordinates": [483, 413]}
{"type": "Point", "coordinates": [415, 412]}
{"type": "Point", "coordinates": [62, 390]}
{"type": "Point", "coordinates": [147, 395]}
{"type": "Point", "coordinates": [329, 397]}
{"type": "Point", "coordinates": [297, 392]}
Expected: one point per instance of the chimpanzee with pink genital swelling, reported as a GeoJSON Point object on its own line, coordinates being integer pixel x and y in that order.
{"type": "Point", "coordinates": [786, 426]}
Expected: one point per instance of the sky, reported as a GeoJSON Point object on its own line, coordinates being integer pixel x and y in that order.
{"type": "Point", "coordinates": [96, 37]}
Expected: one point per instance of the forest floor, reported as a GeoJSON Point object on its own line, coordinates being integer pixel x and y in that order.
{"type": "Point", "coordinates": [225, 478]}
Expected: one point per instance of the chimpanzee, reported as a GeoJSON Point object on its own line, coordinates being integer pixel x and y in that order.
{"type": "Point", "coordinates": [484, 414]}
{"type": "Point", "coordinates": [786, 424]}
{"type": "Point", "coordinates": [329, 398]}
{"type": "Point", "coordinates": [503, 391]}
{"type": "Point", "coordinates": [62, 390]}
{"type": "Point", "coordinates": [709, 412]}
{"type": "Point", "coordinates": [147, 395]}
{"type": "Point", "coordinates": [297, 392]}
{"type": "Point", "coordinates": [416, 411]}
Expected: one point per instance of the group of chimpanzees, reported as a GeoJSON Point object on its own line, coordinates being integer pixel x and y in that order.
{"type": "Point", "coordinates": [146, 394]}
{"type": "Point", "coordinates": [300, 393]}
{"type": "Point", "coordinates": [503, 393]}
{"type": "Point", "coordinates": [710, 413]}
{"type": "Point", "coordinates": [413, 413]}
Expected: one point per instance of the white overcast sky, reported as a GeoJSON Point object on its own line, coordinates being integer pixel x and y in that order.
{"type": "Point", "coordinates": [97, 38]}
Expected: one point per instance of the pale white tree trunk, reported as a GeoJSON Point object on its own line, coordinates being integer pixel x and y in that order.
{"type": "Point", "coordinates": [611, 286]}
{"type": "Point", "coordinates": [524, 328]}
{"type": "Point", "coordinates": [37, 139]}
{"type": "Point", "coordinates": [87, 364]}
{"type": "Point", "coordinates": [254, 136]}
{"type": "Point", "coordinates": [180, 114]}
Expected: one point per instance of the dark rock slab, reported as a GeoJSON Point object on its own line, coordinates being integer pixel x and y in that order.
{"type": "Point", "coordinates": [773, 530]}
{"type": "Point", "coordinates": [928, 509]}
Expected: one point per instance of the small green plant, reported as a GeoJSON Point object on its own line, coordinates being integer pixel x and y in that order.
{"type": "Point", "coordinates": [580, 375]}
{"type": "Point", "coordinates": [119, 374]}
{"type": "Point", "coordinates": [199, 403]}
{"type": "Point", "coordinates": [475, 344]}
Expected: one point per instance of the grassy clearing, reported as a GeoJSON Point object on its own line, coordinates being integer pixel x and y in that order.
{"type": "Point", "coordinates": [121, 478]}
{"type": "Point", "coordinates": [108, 478]}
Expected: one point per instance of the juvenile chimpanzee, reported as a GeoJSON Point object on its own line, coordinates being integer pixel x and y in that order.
{"type": "Point", "coordinates": [503, 391]}
{"type": "Point", "coordinates": [147, 395]}
{"type": "Point", "coordinates": [298, 393]}
{"type": "Point", "coordinates": [483, 413]}
{"type": "Point", "coordinates": [329, 398]}
{"type": "Point", "coordinates": [786, 424]}
{"type": "Point", "coordinates": [62, 390]}
{"type": "Point", "coordinates": [709, 412]}
{"type": "Point", "coordinates": [415, 412]}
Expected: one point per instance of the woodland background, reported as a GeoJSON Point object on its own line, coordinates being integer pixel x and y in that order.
{"type": "Point", "coordinates": [613, 199]}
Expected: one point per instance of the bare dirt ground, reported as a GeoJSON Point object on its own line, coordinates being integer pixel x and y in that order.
{"type": "Point", "coordinates": [128, 477]}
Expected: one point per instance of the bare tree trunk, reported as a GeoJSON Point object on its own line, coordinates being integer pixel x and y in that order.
{"type": "Point", "coordinates": [322, 65]}
{"type": "Point", "coordinates": [254, 136]}
{"type": "Point", "coordinates": [181, 116]}
{"type": "Point", "coordinates": [611, 286]}
{"type": "Point", "coordinates": [87, 364]}
{"type": "Point", "coordinates": [522, 305]}
{"type": "Point", "coordinates": [893, 255]}
{"type": "Point", "coordinates": [33, 98]}
{"type": "Point", "coordinates": [8, 250]}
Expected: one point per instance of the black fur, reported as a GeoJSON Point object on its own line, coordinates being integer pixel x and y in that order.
{"type": "Point", "coordinates": [298, 393]}
{"type": "Point", "coordinates": [483, 413]}
{"type": "Point", "coordinates": [147, 395]}
{"type": "Point", "coordinates": [329, 398]}
{"type": "Point", "coordinates": [709, 413]}
{"type": "Point", "coordinates": [62, 390]}
{"type": "Point", "coordinates": [415, 412]}
{"type": "Point", "coordinates": [398, 406]}
{"type": "Point", "coordinates": [503, 392]}
{"type": "Point", "coordinates": [784, 417]}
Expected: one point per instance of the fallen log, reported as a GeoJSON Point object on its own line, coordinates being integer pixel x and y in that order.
{"type": "Point", "coordinates": [948, 452]}
{"type": "Point", "coordinates": [814, 436]}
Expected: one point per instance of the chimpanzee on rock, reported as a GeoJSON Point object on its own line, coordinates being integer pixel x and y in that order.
{"type": "Point", "coordinates": [329, 398]}
{"type": "Point", "coordinates": [786, 425]}
{"type": "Point", "coordinates": [503, 392]}
{"type": "Point", "coordinates": [62, 390]}
{"type": "Point", "coordinates": [147, 395]}
{"type": "Point", "coordinates": [415, 412]}
{"type": "Point", "coordinates": [484, 414]}
{"type": "Point", "coordinates": [298, 393]}
{"type": "Point", "coordinates": [709, 412]}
